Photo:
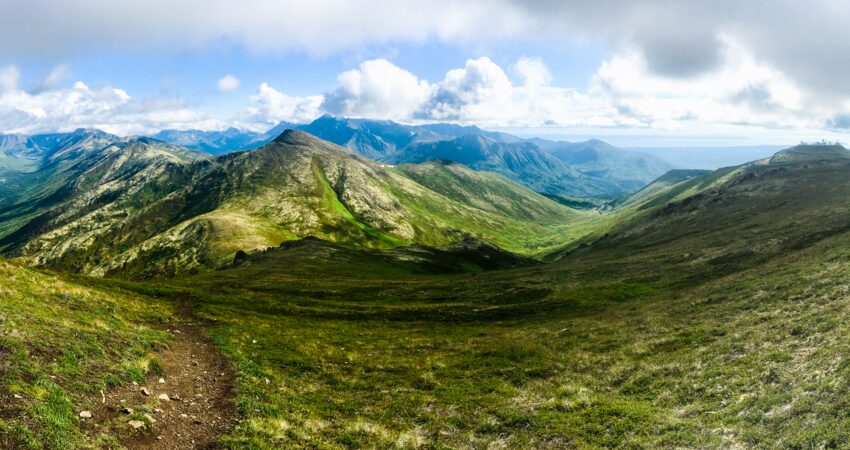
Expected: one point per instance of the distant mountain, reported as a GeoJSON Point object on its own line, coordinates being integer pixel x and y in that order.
{"type": "Point", "coordinates": [374, 139]}
{"type": "Point", "coordinates": [219, 142]}
{"type": "Point", "coordinates": [32, 166]}
{"type": "Point", "coordinates": [588, 169]}
{"type": "Point", "coordinates": [522, 161]}
{"type": "Point", "coordinates": [138, 206]}
{"type": "Point", "coordinates": [628, 170]}
{"type": "Point", "coordinates": [591, 169]}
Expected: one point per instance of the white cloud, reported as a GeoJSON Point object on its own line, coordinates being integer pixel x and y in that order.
{"type": "Point", "coordinates": [227, 83]}
{"type": "Point", "coordinates": [474, 92]}
{"type": "Point", "coordinates": [377, 89]}
{"type": "Point", "coordinates": [106, 107]}
{"type": "Point", "coordinates": [740, 91]}
{"type": "Point", "coordinates": [270, 106]}
{"type": "Point", "coordinates": [532, 71]}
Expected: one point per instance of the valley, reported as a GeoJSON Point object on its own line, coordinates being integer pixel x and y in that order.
{"type": "Point", "coordinates": [424, 304]}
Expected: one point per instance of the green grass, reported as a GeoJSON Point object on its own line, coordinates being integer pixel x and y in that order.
{"type": "Point", "coordinates": [554, 356]}
{"type": "Point", "coordinates": [61, 343]}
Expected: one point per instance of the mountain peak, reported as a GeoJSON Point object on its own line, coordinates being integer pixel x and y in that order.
{"type": "Point", "coordinates": [811, 153]}
{"type": "Point", "coordinates": [296, 137]}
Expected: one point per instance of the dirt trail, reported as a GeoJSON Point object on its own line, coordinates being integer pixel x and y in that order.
{"type": "Point", "coordinates": [199, 383]}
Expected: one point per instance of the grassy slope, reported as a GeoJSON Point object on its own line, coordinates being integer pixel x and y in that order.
{"type": "Point", "coordinates": [688, 326]}
{"type": "Point", "coordinates": [60, 344]}
{"type": "Point", "coordinates": [554, 356]}
{"type": "Point", "coordinates": [163, 216]}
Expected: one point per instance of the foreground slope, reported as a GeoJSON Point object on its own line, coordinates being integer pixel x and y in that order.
{"type": "Point", "coordinates": [61, 345]}
{"type": "Point", "coordinates": [149, 208]}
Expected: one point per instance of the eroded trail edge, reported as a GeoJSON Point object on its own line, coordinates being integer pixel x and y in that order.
{"type": "Point", "coordinates": [191, 405]}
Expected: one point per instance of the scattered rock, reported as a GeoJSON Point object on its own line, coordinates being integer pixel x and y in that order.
{"type": "Point", "coordinates": [146, 392]}
{"type": "Point", "coordinates": [85, 414]}
{"type": "Point", "coordinates": [136, 424]}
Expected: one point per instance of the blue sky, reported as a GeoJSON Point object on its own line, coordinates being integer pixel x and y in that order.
{"type": "Point", "coordinates": [636, 73]}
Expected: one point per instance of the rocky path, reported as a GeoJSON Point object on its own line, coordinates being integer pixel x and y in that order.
{"type": "Point", "coordinates": [189, 406]}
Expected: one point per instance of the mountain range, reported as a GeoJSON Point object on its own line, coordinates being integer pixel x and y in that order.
{"type": "Point", "coordinates": [583, 169]}
{"type": "Point", "coordinates": [138, 206]}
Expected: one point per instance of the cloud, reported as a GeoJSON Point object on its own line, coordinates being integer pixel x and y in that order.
{"type": "Point", "coordinates": [321, 26]}
{"type": "Point", "coordinates": [105, 107]}
{"type": "Point", "coordinates": [739, 91]}
{"type": "Point", "coordinates": [377, 89]}
{"type": "Point", "coordinates": [473, 91]}
{"type": "Point", "coordinates": [56, 76]}
{"type": "Point", "coordinates": [533, 71]}
{"type": "Point", "coordinates": [9, 78]}
{"type": "Point", "coordinates": [227, 83]}
{"type": "Point", "coordinates": [270, 106]}
{"type": "Point", "coordinates": [625, 92]}
{"type": "Point", "coordinates": [803, 40]}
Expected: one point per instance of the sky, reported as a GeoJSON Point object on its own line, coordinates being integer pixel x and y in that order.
{"type": "Point", "coordinates": [633, 72]}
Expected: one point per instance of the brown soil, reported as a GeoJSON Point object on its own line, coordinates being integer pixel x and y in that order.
{"type": "Point", "coordinates": [199, 382]}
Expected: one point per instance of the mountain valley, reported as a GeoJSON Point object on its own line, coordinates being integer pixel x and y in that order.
{"type": "Point", "coordinates": [419, 303]}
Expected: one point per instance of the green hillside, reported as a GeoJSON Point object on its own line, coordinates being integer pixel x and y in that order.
{"type": "Point", "coordinates": [151, 208]}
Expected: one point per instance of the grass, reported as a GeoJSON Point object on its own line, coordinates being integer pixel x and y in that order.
{"type": "Point", "coordinates": [552, 356]}
{"type": "Point", "coordinates": [61, 343]}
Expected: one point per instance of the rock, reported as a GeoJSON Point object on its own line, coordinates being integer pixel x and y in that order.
{"type": "Point", "coordinates": [176, 398]}
{"type": "Point", "coordinates": [146, 392]}
{"type": "Point", "coordinates": [136, 424]}
{"type": "Point", "coordinates": [162, 381]}
{"type": "Point", "coordinates": [85, 414]}
{"type": "Point", "coordinates": [17, 396]}
{"type": "Point", "coordinates": [150, 418]}
{"type": "Point", "coordinates": [127, 410]}
{"type": "Point", "coordinates": [184, 416]}
{"type": "Point", "coordinates": [164, 397]}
